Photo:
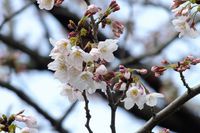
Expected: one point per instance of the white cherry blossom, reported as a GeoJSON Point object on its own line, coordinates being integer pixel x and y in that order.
{"type": "Point", "coordinates": [46, 4]}
{"type": "Point", "coordinates": [182, 25]}
{"type": "Point", "coordinates": [61, 69]}
{"type": "Point", "coordinates": [106, 48]}
{"type": "Point", "coordinates": [95, 53]}
{"type": "Point", "coordinates": [77, 56]}
{"type": "Point", "coordinates": [100, 85]}
{"type": "Point", "coordinates": [135, 96]}
{"type": "Point", "coordinates": [71, 93]}
{"type": "Point", "coordinates": [60, 47]}
{"type": "Point", "coordinates": [84, 81]}
{"type": "Point", "coordinates": [151, 99]}
{"type": "Point", "coordinates": [30, 122]}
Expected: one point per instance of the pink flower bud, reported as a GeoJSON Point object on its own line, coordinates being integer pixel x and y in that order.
{"type": "Point", "coordinates": [142, 71]}
{"type": "Point", "coordinates": [122, 69]}
{"type": "Point", "coordinates": [58, 2]}
{"type": "Point", "coordinates": [114, 6]}
{"type": "Point", "coordinates": [91, 10]}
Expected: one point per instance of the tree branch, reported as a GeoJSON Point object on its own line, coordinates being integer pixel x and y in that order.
{"type": "Point", "coordinates": [170, 109]}
{"type": "Point", "coordinates": [67, 112]}
{"type": "Point", "coordinates": [38, 59]}
{"type": "Point", "coordinates": [14, 14]}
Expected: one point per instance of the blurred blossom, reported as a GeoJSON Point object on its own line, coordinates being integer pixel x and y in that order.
{"type": "Point", "coordinates": [46, 4]}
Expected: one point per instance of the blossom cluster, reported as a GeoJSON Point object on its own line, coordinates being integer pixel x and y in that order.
{"type": "Point", "coordinates": [79, 70]}
{"type": "Point", "coordinates": [185, 12]}
{"type": "Point", "coordinates": [136, 92]}
{"type": "Point", "coordinates": [8, 124]}
{"type": "Point", "coordinates": [139, 95]}
{"type": "Point", "coordinates": [31, 123]}
{"type": "Point", "coordinates": [80, 63]}
{"type": "Point", "coordinates": [180, 66]}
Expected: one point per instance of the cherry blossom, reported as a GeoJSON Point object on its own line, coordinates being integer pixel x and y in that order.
{"type": "Point", "coordinates": [135, 96]}
{"type": "Point", "coordinates": [46, 4]}
{"type": "Point", "coordinates": [61, 69]}
{"type": "Point", "coordinates": [95, 53]}
{"type": "Point", "coordinates": [30, 122]}
{"type": "Point", "coordinates": [77, 56]}
{"type": "Point", "coordinates": [151, 99]}
{"type": "Point", "coordinates": [181, 25]}
{"type": "Point", "coordinates": [107, 48]}
{"type": "Point", "coordinates": [71, 93]}
{"type": "Point", "coordinates": [61, 46]}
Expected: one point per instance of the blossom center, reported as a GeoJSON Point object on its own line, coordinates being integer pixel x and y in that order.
{"type": "Point", "coordinates": [134, 92]}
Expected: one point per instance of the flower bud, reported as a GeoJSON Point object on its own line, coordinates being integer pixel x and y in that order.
{"type": "Point", "coordinates": [91, 10]}
{"type": "Point", "coordinates": [58, 2]}
{"type": "Point", "coordinates": [101, 70]}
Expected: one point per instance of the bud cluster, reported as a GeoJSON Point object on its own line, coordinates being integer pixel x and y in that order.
{"type": "Point", "coordinates": [185, 13]}
{"type": "Point", "coordinates": [180, 66]}
{"type": "Point", "coordinates": [7, 124]}
{"type": "Point", "coordinates": [135, 92]}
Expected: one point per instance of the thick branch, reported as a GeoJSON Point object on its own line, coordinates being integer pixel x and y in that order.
{"type": "Point", "coordinates": [170, 109]}
{"type": "Point", "coordinates": [38, 59]}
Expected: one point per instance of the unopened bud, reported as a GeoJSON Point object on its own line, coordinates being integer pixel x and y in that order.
{"type": "Point", "coordinates": [58, 2]}
{"type": "Point", "coordinates": [72, 25]}
{"type": "Point", "coordinates": [101, 70]}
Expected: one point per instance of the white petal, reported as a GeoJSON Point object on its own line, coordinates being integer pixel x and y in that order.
{"type": "Point", "coordinates": [46, 4]}
{"type": "Point", "coordinates": [128, 103]}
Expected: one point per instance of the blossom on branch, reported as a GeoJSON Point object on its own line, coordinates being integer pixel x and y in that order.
{"type": "Point", "coordinates": [30, 122]}
{"type": "Point", "coordinates": [151, 99]}
{"type": "Point", "coordinates": [184, 21]}
{"type": "Point", "coordinates": [46, 4]}
{"type": "Point", "coordinates": [135, 96]}
{"type": "Point", "coordinates": [107, 48]}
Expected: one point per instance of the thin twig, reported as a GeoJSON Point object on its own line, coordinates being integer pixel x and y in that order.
{"type": "Point", "coordinates": [113, 108]}
{"type": "Point", "coordinates": [94, 25]}
{"type": "Point", "coordinates": [67, 112]}
{"type": "Point", "coordinates": [184, 81]}
{"type": "Point", "coordinates": [44, 25]}
{"type": "Point", "coordinates": [123, 94]}
{"type": "Point", "coordinates": [14, 14]}
{"type": "Point", "coordinates": [169, 110]}
{"type": "Point", "coordinates": [88, 116]}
